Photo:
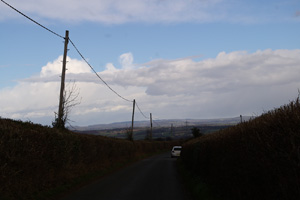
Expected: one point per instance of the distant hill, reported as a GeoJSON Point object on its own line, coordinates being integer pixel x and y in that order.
{"type": "Point", "coordinates": [163, 123]}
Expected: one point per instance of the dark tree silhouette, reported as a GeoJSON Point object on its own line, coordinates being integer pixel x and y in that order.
{"type": "Point", "coordinates": [196, 132]}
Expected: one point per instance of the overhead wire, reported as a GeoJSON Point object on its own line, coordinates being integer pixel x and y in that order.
{"type": "Point", "coordinates": [80, 54]}
{"type": "Point", "coordinates": [96, 72]}
{"type": "Point", "coordinates": [141, 111]}
{"type": "Point", "coordinates": [154, 121]}
{"type": "Point", "coordinates": [71, 43]}
{"type": "Point", "coordinates": [32, 20]}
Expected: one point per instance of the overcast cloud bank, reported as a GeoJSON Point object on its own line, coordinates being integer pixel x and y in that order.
{"type": "Point", "coordinates": [226, 86]}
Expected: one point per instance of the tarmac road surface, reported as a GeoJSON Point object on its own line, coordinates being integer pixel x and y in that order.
{"type": "Point", "coordinates": [154, 178]}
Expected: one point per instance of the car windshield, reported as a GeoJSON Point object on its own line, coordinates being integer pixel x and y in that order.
{"type": "Point", "coordinates": [177, 149]}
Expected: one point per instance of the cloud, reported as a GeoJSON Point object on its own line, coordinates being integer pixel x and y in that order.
{"type": "Point", "coordinates": [126, 60]}
{"type": "Point", "coordinates": [228, 85]}
{"type": "Point", "coordinates": [155, 11]}
{"type": "Point", "coordinates": [55, 67]}
{"type": "Point", "coordinates": [27, 100]}
{"type": "Point", "coordinates": [227, 72]}
{"type": "Point", "coordinates": [118, 11]}
{"type": "Point", "coordinates": [51, 72]}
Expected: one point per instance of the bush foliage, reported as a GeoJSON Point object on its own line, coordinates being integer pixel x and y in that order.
{"type": "Point", "coordinates": [34, 158]}
{"type": "Point", "coordinates": [258, 159]}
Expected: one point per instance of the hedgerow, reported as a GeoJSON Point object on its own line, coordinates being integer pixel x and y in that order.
{"type": "Point", "coordinates": [258, 159]}
{"type": "Point", "coordinates": [35, 158]}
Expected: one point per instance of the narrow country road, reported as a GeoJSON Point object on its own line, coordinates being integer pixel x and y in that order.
{"type": "Point", "coordinates": [154, 178]}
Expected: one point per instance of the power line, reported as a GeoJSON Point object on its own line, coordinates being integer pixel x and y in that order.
{"type": "Point", "coordinates": [44, 27]}
{"type": "Point", "coordinates": [97, 73]}
{"type": "Point", "coordinates": [33, 20]}
{"type": "Point", "coordinates": [154, 121]}
{"type": "Point", "coordinates": [71, 43]}
{"type": "Point", "coordinates": [141, 111]}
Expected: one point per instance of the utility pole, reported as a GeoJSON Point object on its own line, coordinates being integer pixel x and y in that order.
{"type": "Point", "coordinates": [151, 126]}
{"type": "Point", "coordinates": [241, 118]}
{"type": "Point", "coordinates": [186, 127]}
{"type": "Point", "coordinates": [60, 123]}
{"type": "Point", "coordinates": [132, 117]}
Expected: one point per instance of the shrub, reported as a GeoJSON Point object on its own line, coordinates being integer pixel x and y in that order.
{"type": "Point", "coordinates": [196, 132]}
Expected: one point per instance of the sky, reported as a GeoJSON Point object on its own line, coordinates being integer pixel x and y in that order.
{"type": "Point", "coordinates": [179, 59]}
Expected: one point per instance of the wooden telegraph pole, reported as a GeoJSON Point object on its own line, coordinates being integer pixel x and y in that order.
{"type": "Point", "coordinates": [132, 117]}
{"type": "Point", "coordinates": [151, 126]}
{"type": "Point", "coordinates": [60, 123]}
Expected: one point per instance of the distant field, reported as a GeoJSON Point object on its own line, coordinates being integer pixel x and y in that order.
{"type": "Point", "coordinates": [165, 123]}
{"type": "Point", "coordinates": [158, 133]}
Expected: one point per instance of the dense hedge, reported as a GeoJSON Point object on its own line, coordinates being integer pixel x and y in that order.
{"type": "Point", "coordinates": [259, 159]}
{"type": "Point", "coordinates": [35, 158]}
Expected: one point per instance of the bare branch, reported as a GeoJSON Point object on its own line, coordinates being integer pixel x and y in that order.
{"type": "Point", "coordinates": [70, 100]}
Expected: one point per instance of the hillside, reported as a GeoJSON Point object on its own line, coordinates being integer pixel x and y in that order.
{"type": "Point", "coordinates": [158, 133]}
{"type": "Point", "coordinates": [170, 129]}
{"type": "Point", "coordinates": [164, 123]}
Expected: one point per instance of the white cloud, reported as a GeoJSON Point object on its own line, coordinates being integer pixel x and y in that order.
{"type": "Point", "coordinates": [118, 11]}
{"type": "Point", "coordinates": [55, 67]}
{"type": "Point", "coordinates": [76, 69]}
{"type": "Point", "coordinates": [29, 100]}
{"type": "Point", "coordinates": [229, 85]}
{"type": "Point", "coordinates": [126, 60]}
{"type": "Point", "coordinates": [154, 11]}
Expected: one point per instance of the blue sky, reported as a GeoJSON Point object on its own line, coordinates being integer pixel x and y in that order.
{"type": "Point", "coordinates": [177, 58]}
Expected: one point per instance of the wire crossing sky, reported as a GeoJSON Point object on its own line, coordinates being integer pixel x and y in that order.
{"type": "Point", "coordinates": [97, 73]}
{"type": "Point", "coordinates": [78, 53]}
{"type": "Point", "coordinates": [73, 46]}
{"type": "Point", "coordinates": [32, 19]}
{"type": "Point", "coordinates": [150, 51]}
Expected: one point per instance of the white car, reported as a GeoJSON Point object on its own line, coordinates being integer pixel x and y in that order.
{"type": "Point", "coordinates": [176, 150]}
